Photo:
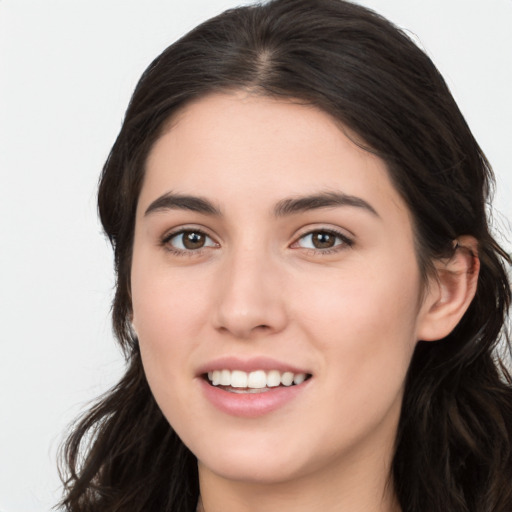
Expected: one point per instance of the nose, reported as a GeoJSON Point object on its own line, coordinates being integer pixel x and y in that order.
{"type": "Point", "coordinates": [250, 299]}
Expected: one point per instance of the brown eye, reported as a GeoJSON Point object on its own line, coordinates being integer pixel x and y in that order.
{"type": "Point", "coordinates": [323, 240]}
{"type": "Point", "coordinates": [190, 241]}
{"type": "Point", "coordinates": [193, 240]}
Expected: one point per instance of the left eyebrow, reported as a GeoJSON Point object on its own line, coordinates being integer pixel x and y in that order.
{"type": "Point", "coordinates": [322, 200]}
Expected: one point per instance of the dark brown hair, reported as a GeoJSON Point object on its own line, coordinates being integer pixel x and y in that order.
{"type": "Point", "coordinates": [453, 447]}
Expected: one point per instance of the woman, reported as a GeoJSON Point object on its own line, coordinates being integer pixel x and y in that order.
{"type": "Point", "coordinates": [308, 294]}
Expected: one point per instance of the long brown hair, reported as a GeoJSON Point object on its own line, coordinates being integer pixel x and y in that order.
{"type": "Point", "coordinates": [454, 442]}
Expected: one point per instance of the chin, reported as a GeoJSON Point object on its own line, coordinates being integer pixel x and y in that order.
{"type": "Point", "coordinates": [254, 470]}
{"type": "Point", "coordinates": [254, 462]}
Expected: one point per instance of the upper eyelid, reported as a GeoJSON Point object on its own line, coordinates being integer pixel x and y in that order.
{"type": "Point", "coordinates": [344, 239]}
{"type": "Point", "coordinates": [172, 232]}
{"type": "Point", "coordinates": [313, 228]}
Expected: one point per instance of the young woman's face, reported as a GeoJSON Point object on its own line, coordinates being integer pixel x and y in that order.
{"type": "Point", "coordinates": [270, 248]}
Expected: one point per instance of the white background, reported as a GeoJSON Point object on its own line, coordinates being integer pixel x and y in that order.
{"type": "Point", "coordinates": [67, 69]}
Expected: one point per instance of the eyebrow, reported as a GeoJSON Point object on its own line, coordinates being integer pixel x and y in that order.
{"type": "Point", "coordinates": [321, 200]}
{"type": "Point", "coordinates": [172, 201]}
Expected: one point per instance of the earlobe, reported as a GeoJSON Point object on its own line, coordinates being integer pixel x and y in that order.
{"type": "Point", "coordinates": [450, 292]}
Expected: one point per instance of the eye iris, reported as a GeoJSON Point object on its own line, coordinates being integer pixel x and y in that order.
{"type": "Point", "coordinates": [193, 240]}
{"type": "Point", "coordinates": [323, 240]}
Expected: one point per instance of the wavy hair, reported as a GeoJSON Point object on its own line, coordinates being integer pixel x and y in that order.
{"type": "Point", "coordinates": [454, 442]}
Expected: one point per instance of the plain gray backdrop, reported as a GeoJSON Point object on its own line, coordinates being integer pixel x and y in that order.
{"type": "Point", "coordinates": [67, 70]}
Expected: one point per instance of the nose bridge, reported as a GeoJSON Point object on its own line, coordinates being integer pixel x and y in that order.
{"type": "Point", "coordinates": [249, 298]}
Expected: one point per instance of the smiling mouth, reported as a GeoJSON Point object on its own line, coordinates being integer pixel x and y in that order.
{"type": "Point", "coordinates": [259, 381]}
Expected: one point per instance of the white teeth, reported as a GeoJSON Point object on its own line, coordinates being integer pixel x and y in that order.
{"type": "Point", "coordinates": [225, 378]}
{"type": "Point", "coordinates": [238, 379]}
{"type": "Point", "coordinates": [273, 378]}
{"type": "Point", "coordinates": [216, 378]}
{"type": "Point", "coordinates": [258, 379]}
{"type": "Point", "coordinates": [299, 378]}
{"type": "Point", "coordinates": [287, 379]}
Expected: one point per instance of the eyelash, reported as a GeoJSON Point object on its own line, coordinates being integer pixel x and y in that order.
{"type": "Point", "coordinates": [345, 243]}
{"type": "Point", "coordinates": [166, 242]}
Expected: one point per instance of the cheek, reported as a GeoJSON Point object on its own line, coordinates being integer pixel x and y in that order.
{"type": "Point", "coordinates": [168, 315]}
{"type": "Point", "coordinates": [365, 331]}
{"type": "Point", "coordinates": [166, 305]}
{"type": "Point", "coordinates": [167, 326]}
{"type": "Point", "coordinates": [361, 297]}
{"type": "Point", "coordinates": [364, 323]}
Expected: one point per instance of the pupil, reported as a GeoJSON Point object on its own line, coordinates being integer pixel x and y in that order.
{"type": "Point", "coordinates": [322, 240]}
{"type": "Point", "coordinates": [193, 240]}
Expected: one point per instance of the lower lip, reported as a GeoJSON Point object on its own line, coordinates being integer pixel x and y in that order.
{"type": "Point", "coordinates": [251, 405]}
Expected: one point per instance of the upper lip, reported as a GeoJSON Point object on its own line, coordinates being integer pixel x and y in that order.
{"type": "Point", "coordinates": [249, 365]}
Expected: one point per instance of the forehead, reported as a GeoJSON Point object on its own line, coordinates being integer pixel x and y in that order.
{"type": "Point", "coordinates": [252, 149]}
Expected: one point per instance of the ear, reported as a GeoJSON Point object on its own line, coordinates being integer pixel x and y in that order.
{"type": "Point", "coordinates": [450, 291]}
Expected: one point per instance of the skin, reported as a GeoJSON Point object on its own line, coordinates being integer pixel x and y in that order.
{"type": "Point", "coordinates": [350, 314]}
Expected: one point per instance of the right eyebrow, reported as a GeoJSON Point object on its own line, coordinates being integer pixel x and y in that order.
{"type": "Point", "coordinates": [171, 201]}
